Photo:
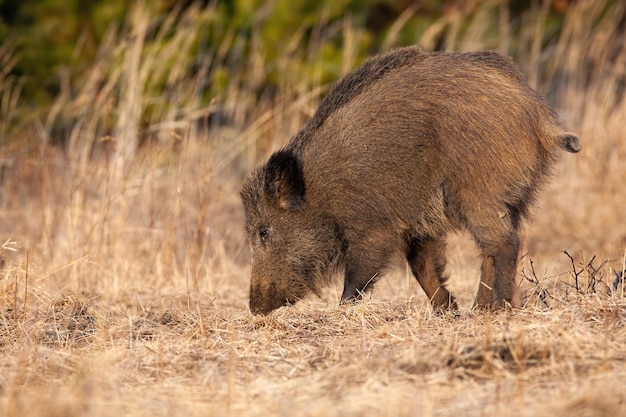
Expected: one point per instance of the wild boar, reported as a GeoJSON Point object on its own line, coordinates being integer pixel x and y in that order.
{"type": "Point", "coordinates": [406, 148]}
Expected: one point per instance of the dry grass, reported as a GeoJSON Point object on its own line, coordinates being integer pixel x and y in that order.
{"type": "Point", "coordinates": [123, 272]}
{"type": "Point", "coordinates": [380, 357]}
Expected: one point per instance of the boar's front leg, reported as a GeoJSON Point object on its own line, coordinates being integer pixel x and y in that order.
{"type": "Point", "coordinates": [356, 283]}
{"type": "Point", "coordinates": [427, 260]}
{"type": "Point", "coordinates": [362, 271]}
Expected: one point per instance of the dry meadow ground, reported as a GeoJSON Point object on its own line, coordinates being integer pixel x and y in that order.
{"type": "Point", "coordinates": [124, 275]}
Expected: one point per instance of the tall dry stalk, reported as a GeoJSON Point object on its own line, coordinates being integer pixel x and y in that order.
{"type": "Point", "coordinates": [10, 89]}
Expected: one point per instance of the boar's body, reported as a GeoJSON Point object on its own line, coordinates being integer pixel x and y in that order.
{"type": "Point", "coordinates": [408, 147]}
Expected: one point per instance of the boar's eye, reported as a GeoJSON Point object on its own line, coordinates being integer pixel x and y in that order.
{"type": "Point", "coordinates": [264, 236]}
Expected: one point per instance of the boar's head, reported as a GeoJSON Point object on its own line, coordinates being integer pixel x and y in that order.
{"type": "Point", "coordinates": [295, 247]}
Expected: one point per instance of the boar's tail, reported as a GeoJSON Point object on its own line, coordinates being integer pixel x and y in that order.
{"type": "Point", "coordinates": [569, 142]}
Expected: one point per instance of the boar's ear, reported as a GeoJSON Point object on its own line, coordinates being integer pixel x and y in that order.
{"type": "Point", "coordinates": [284, 180]}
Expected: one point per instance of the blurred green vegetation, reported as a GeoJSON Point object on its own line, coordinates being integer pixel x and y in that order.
{"type": "Point", "coordinates": [51, 48]}
{"type": "Point", "coordinates": [51, 36]}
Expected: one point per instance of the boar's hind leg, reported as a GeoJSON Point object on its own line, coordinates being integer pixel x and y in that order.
{"type": "Point", "coordinates": [427, 260]}
{"type": "Point", "coordinates": [499, 247]}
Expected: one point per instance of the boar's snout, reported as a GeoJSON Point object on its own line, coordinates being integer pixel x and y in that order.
{"type": "Point", "coordinates": [257, 307]}
{"type": "Point", "coordinates": [260, 305]}
{"type": "Point", "coordinates": [265, 299]}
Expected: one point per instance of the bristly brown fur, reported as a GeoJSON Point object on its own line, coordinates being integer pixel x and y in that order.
{"type": "Point", "coordinates": [407, 147]}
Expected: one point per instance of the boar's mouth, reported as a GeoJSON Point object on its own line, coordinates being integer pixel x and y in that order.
{"type": "Point", "coordinates": [285, 290]}
{"type": "Point", "coordinates": [263, 307]}
{"type": "Point", "coordinates": [264, 301]}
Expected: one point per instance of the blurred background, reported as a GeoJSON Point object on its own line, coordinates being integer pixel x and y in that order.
{"type": "Point", "coordinates": [126, 128]}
